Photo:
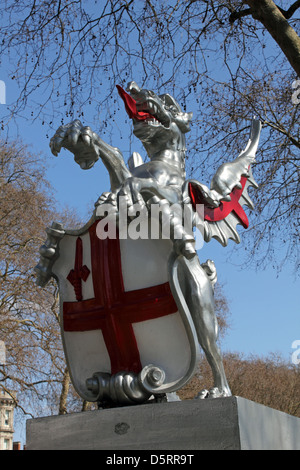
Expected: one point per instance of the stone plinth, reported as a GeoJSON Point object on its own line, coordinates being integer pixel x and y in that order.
{"type": "Point", "coordinates": [224, 423]}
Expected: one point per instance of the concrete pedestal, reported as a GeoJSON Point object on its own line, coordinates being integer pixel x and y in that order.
{"type": "Point", "coordinates": [212, 424]}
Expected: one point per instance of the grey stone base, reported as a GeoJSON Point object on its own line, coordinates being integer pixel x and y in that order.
{"type": "Point", "coordinates": [212, 424]}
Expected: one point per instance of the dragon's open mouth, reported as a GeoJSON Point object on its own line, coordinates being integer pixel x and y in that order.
{"type": "Point", "coordinates": [131, 108]}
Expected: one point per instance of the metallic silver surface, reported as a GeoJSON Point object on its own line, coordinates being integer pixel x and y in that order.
{"type": "Point", "coordinates": [229, 174]}
{"type": "Point", "coordinates": [162, 180]}
{"type": "Point", "coordinates": [126, 388]}
{"type": "Point", "coordinates": [226, 178]}
{"type": "Point", "coordinates": [49, 253]}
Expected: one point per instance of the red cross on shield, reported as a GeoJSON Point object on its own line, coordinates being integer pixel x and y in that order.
{"type": "Point", "coordinates": [117, 309]}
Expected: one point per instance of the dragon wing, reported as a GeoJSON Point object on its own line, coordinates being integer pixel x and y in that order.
{"type": "Point", "coordinates": [223, 203]}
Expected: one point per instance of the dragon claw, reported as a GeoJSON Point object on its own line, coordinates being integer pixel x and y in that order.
{"type": "Point", "coordinates": [79, 140]}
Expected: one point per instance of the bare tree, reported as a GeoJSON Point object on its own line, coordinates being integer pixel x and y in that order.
{"type": "Point", "coordinates": [29, 319]}
{"type": "Point", "coordinates": [275, 20]}
{"type": "Point", "coordinates": [271, 381]}
{"type": "Point", "coordinates": [223, 60]}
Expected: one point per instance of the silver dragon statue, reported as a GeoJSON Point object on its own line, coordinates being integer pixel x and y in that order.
{"type": "Point", "coordinates": [161, 125]}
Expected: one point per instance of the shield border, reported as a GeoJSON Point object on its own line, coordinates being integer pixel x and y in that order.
{"type": "Point", "coordinates": [185, 316]}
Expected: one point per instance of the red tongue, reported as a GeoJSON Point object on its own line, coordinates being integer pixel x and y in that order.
{"type": "Point", "coordinates": [130, 106]}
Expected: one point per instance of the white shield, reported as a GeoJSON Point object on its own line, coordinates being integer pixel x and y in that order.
{"type": "Point", "coordinates": [117, 309]}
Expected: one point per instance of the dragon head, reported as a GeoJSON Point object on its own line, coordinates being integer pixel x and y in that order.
{"type": "Point", "coordinates": [156, 118]}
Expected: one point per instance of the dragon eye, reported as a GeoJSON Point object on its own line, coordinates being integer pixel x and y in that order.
{"type": "Point", "coordinates": [173, 109]}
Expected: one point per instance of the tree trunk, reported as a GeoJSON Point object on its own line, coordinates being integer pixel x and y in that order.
{"type": "Point", "coordinates": [64, 393]}
{"type": "Point", "coordinates": [273, 20]}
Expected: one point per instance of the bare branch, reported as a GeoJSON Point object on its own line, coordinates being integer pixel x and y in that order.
{"type": "Point", "coordinates": [289, 13]}
{"type": "Point", "coordinates": [238, 14]}
{"type": "Point", "coordinates": [276, 24]}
